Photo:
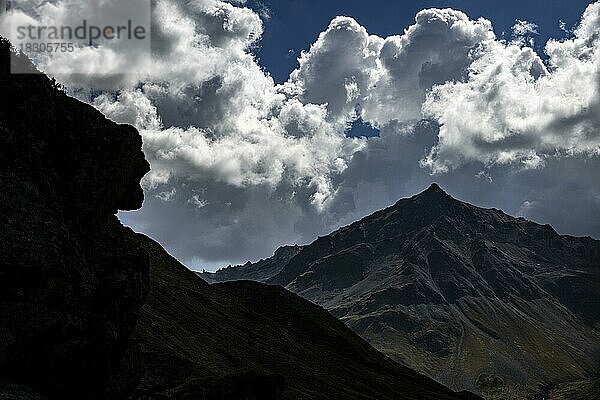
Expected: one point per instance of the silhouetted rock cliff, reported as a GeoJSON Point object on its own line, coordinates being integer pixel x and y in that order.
{"type": "Point", "coordinates": [72, 278]}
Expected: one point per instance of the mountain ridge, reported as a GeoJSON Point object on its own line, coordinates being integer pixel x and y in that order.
{"type": "Point", "coordinates": [262, 269]}
{"type": "Point", "coordinates": [420, 279]}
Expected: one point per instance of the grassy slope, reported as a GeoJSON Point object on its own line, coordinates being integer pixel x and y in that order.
{"type": "Point", "coordinates": [192, 331]}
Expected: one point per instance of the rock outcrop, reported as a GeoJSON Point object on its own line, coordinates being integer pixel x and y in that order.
{"type": "Point", "coordinates": [72, 278]}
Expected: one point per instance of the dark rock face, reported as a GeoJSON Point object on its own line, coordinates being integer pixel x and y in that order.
{"type": "Point", "coordinates": [72, 278]}
{"type": "Point", "coordinates": [472, 297]}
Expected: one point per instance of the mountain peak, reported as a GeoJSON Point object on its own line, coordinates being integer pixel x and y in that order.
{"type": "Point", "coordinates": [434, 188]}
{"type": "Point", "coordinates": [434, 191]}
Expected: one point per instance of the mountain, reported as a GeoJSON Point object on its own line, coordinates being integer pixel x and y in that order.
{"type": "Point", "coordinates": [472, 297]}
{"type": "Point", "coordinates": [90, 310]}
{"type": "Point", "coordinates": [259, 271]}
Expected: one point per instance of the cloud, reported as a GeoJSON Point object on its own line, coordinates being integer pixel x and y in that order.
{"type": "Point", "coordinates": [383, 80]}
{"type": "Point", "coordinates": [166, 195]}
{"type": "Point", "coordinates": [523, 32]}
{"type": "Point", "coordinates": [241, 165]}
{"type": "Point", "coordinates": [338, 69]}
{"type": "Point", "coordinates": [437, 48]}
{"type": "Point", "coordinates": [523, 28]}
{"type": "Point", "coordinates": [514, 108]}
{"type": "Point", "coordinates": [525, 208]}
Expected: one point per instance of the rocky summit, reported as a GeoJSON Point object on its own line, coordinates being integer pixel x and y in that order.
{"type": "Point", "coordinates": [472, 297]}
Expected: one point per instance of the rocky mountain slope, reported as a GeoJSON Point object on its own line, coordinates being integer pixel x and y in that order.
{"type": "Point", "coordinates": [472, 297]}
{"type": "Point", "coordinates": [91, 310]}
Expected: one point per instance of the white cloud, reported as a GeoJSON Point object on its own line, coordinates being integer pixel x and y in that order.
{"type": "Point", "coordinates": [515, 108]}
{"type": "Point", "coordinates": [523, 32]}
{"type": "Point", "coordinates": [525, 208]}
{"type": "Point", "coordinates": [198, 202]}
{"type": "Point", "coordinates": [436, 49]}
{"type": "Point", "coordinates": [385, 79]}
{"type": "Point", "coordinates": [166, 195]}
{"type": "Point", "coordinates": [338, 68]}
{"type": "Point", "coordinates": [523, 28]}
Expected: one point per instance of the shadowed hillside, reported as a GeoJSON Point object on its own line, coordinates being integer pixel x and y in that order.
{"type": "Point", "coordinates": [198, 336]}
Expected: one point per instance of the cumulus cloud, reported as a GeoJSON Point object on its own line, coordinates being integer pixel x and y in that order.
{"type": "Point", "coordinates": [513, 107]}
{"type": "Point", "coordinates": [338, 69]}
{"type": "Point", "coordinates": [522, 28]}
{"type": "Point", "coordinates": [436, 49]}
{"type": "Point", "coordinates": [241, 164]}
{"type": "Point", "coordinates": [385, 80]}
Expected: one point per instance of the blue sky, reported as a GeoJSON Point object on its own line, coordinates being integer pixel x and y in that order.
{"type": "Point", "coordinates": [294, 25]}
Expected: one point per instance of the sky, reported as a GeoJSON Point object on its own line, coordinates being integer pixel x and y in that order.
{"type": "Point", "coordinates": [292, 26]}
{"type": "Point", "coordinates": [273, 122]}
